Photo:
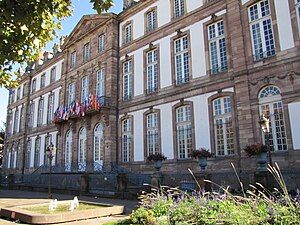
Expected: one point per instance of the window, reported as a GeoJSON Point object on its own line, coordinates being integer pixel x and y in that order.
{"type": "Point", "coordinates": [101, 43]}
{"type": "Point", "coordinates": [127, 80]}
{"type": "Point", "coordinates": [182, 70]}
{"type": "Point", "coordinates": [33, 85]}
{"type": "Point", "coordinates": [73, 59]}
{"type": "Point", "coordinates": [217, 47]}
{"type": "Point", "coordinates": [40, 112]}
{"type": "Point", "coordinates": [271, 106]}
{"type": "Point", "coordinates": [98, 146]}
{"type": "Point", "coordinates": [223, 128]}
{"type": "Point", "coordinates": [152, 71]}
{"type": "Point", "coordinates": [179, 7]}
{"type": "Point", "coordinates": [126, 140]}
{"type": "Point", "coordinates": [68, 152]}
{"type": "Point", "coordinates": [48, 141]}
{"type": "Point", "coordinates": [24, 90]}
{"type": "Point", "coordinates": [31, 115]}
{"type": "Point", "coordinates": [13, 96]}
{"type": "Point", "coordinates": [53, 75]}
{"type": "Point", "coordinates": [298, 13]}
{"type": "Point", "coordinates": [18, 93]}
{"type": "Point", "coordinates": [71, 98]}
{"type": "Point", "coordinates": [82, 150]}
{"type": "Point", "coordinates": [100, 85]}
{"type": "Point", "coordinates": [184, 131]}
{"type": "Point", "coordinates": [152, 133]}
{"type": "Point", "coordinates": [84, 89]}
{"type": "Point", "coordinates": [21, 119]}
{"type": "Point", "coordinates": [86, 52]}
{"type": "Point", "coordinates": [16, 121]}
{"type": "Point", "coordinates": [263, 44]}
{"type": "Point", "coordinates": [127, 33]}
{"type": "Point", "coordinates": [37, 152]}
{"type": "Point", "coordinates": [151, 20]}
{"type": "Point", "coordinates": [28, 154]}
{"type": "Point", "coordinates": [50, 108]}
{"type": "Point", "coordinates": [43, 80]}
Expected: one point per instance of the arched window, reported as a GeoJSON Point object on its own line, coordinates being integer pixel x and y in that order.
{"type": "Point", "coordinates": [82, 149]}
{"type": "Point", "coordinates": [271, 106]}
{"type": "Point", "coordinates": [98, 146]}
{"type": "Point", "coordinates": [223, 128]}
{"type": "Point", "coordinates": [68, 152]}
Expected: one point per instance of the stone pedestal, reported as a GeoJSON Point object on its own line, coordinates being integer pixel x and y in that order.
{"type": "Point", "coordinates": [84, 184]}
{"type": "Point", "coordinates": [156, 180]}
{"type": "Point", "coordinates": [121, 185]}
{"type": "Point", "coordinates": [265, 179]}
{"type": "Point", "coordinates": [200, 177]}
{"type": "Point", "coordinates": [11, 181]}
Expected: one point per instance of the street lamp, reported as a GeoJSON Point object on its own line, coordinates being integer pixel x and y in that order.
{"type": "Point", "coordinates": [50, 154]}
{"type": "Point", "coordinates": [265, 126]}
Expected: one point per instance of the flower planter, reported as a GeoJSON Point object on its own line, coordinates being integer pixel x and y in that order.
{"type": "Point", "coordinates": [157, 164]}
{"type": "Point", "coordinates": [262, 159]}
{"type": "Point", "coordinates": [202, 162]}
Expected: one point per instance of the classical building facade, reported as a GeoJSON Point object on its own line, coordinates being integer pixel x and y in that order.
{"type": "Point", "coordinates": [170, 77]}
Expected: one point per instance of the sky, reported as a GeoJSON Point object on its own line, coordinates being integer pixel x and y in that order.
{"type": "Point", "coordinates": [81, 8]}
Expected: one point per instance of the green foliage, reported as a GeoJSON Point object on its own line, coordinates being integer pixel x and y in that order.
{"type": "Point", "coordinates": [27, 26]}
{"type": "Point", "coordinates": [171, 206]}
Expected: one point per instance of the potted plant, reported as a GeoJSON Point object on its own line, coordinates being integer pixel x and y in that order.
{"type": "Point", "coordinates": [157, 158]}
{"type": "Point", "coordinates": [201, 154]}
{"type": "Point", "coordinates": [260, 150]}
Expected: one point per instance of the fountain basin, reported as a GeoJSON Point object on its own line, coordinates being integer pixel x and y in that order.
{"type": "Point", "coordinates": [27, 214]}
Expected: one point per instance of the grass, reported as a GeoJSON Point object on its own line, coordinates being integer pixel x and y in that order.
{"type": "Point", "coordinates": [123, 222]}
{"type": "Point", "coordinates": [61, 208]}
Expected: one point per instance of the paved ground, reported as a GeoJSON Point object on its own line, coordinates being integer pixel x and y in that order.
{"type": "Point", "coordinates": [17, 198]}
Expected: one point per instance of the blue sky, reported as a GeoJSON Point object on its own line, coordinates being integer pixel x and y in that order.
{"type": "Point", "coordinates": [81, 7]}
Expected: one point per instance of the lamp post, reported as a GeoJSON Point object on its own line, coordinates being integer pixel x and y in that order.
{"type": "Point", "coordinates": [50, 154]}
{"type": "Point", "coordinates": [265, 126]}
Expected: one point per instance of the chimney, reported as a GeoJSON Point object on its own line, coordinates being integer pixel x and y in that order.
{"type": "Point", "coordinates": [48, 55]}
{"type": "Point", "coordinates": [128, 3]}
{"type": "Point", "coordinates": [56, 49]}
{"type": "Point", "coordinates": [62, 40]}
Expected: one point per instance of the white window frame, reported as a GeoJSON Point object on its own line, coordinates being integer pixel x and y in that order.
{"type": "Point", "coordinates": [40, 111]}
{"type": "Point", "coordinates": [259, 45]}
{"type": "Point", "coordinates": [128, 33]}
{"type": "Point", "coordinates": [181, 60]}
{"type": "Point", "coordinates": [270, 103]}
{"type": "Point", "coordinates": [31, 115]}
{"type": "Point", "coordinates": [16, 121]}
{"type": "Point", "coordinates": [43, 80]}
{"type": "Point", "coordinates": [68, 152]}
{"type": "Point", "coordinates": [179, 8]}
{"type": "Point", "coordinates": [21, 118]}
{"type": "Point", "coordinates": [152, 71]}
{"type": "Point", "coordinates": [84, 88]}
{"type": "Point", "coordinates": [37, 151]}
{"type": "Point", "coordinates": [217, 47]}
{"type": "Point", "coordinates": [101, 43]}
{"type": "Point", "coordinates": [98, 146]}
{"type": "Point", "coordinates": [126, 140]}
{"type": "Point", "coordinates": [152, 137]}
{"type": "Point", "coordinates": [184, 131]}
{"type": "Point", "coordinates": [223, 126]}
{"type": "Point", "coordinates": [71, 97]}
{"type": "Point", "coordinates": [127, 80]}
{"type": "Point", "coordinates": [50, 108]}
{"type": "Point", "coordinates": [73, 59]}
{"type": "Point", "coordinates": [86, 52]}
{"type": "Point", "coordinates": [151, 18]}
{"type": "Point", "coordinates": [18, 93]}
{"type": "Point", "coordinates": [82, 149]}
{"type": "Point", "coordinates": [100, 83]}
{"type": "Point", "coordinates": [33, 85]}
{"type": "Point", "coordinates": [53, 74]}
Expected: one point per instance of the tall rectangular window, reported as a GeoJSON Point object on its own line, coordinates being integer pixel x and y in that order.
{"type": "Point", "coordinates": [73, 59]}
{"type": "Point", "coordinates": [18, 93]}
{"type": "Point", "coordinates": [50, 108]}
{"type": "Point", "coordinates": [127, 33]}
{"type": "Point", "coordinates": [263, 43]}
{"type": "Point", "coordinates": [184, 131]}
{"type": "Point", "coordinates": [223, 127]}
{"type": "Point", "coordinates": [217, 47]}
{"type": "Point", "coordinates": [31, 115]}
{"type": "Point", "coordinates": [298, 14]}
{"type": "Point", "coordinates": [43, 80]}
{"type": "Point", "coordinates": [21, 119]}
{"type": "Point", "coordinates": [100, 85]}
{"type": "Point", "coordinates": [127, 80]}
{"type": "Point", "coordinates": [152, 71]}
{"type": "Point", "coordinates": [37, 152]}
{"type": "Point", "coordinates": [86, 52]}
{"type": "Point", "coordinates": [40, 112]}
{"type": "Point", "coordinates": [16, 121]}
{"type": "Point", "coordinates": [179, 8]}
{"type": "Point", "coordinates": [152, 134]}
{"type": "Point", "coordinates": [151, 20]}
{"type": "Point", "coordinates": [24, 90]}
{"type": "Point", "coordinates": [84, 89]}
{"type": "Point", "coordinates": [71, 93]}
{"type": "Point", "coordinates": [182, 71]}
{"type": "Point", "coordinates": [33, 86]}
{"type": "Point", "coordinates": [126, 140]}
{"type": "Point", "coordinates": [101, 43]}
{"type": "Point", "coordinates": [53, 75]}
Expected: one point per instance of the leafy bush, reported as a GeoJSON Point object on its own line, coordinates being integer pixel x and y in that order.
{"type": "Point", "coordinates": [171, 206]}
{"type": "Point", "coordinates": [202, 152]}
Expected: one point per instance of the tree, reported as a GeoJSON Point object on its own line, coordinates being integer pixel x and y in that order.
{"type": "Point", "coordinates": [26, 26]}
